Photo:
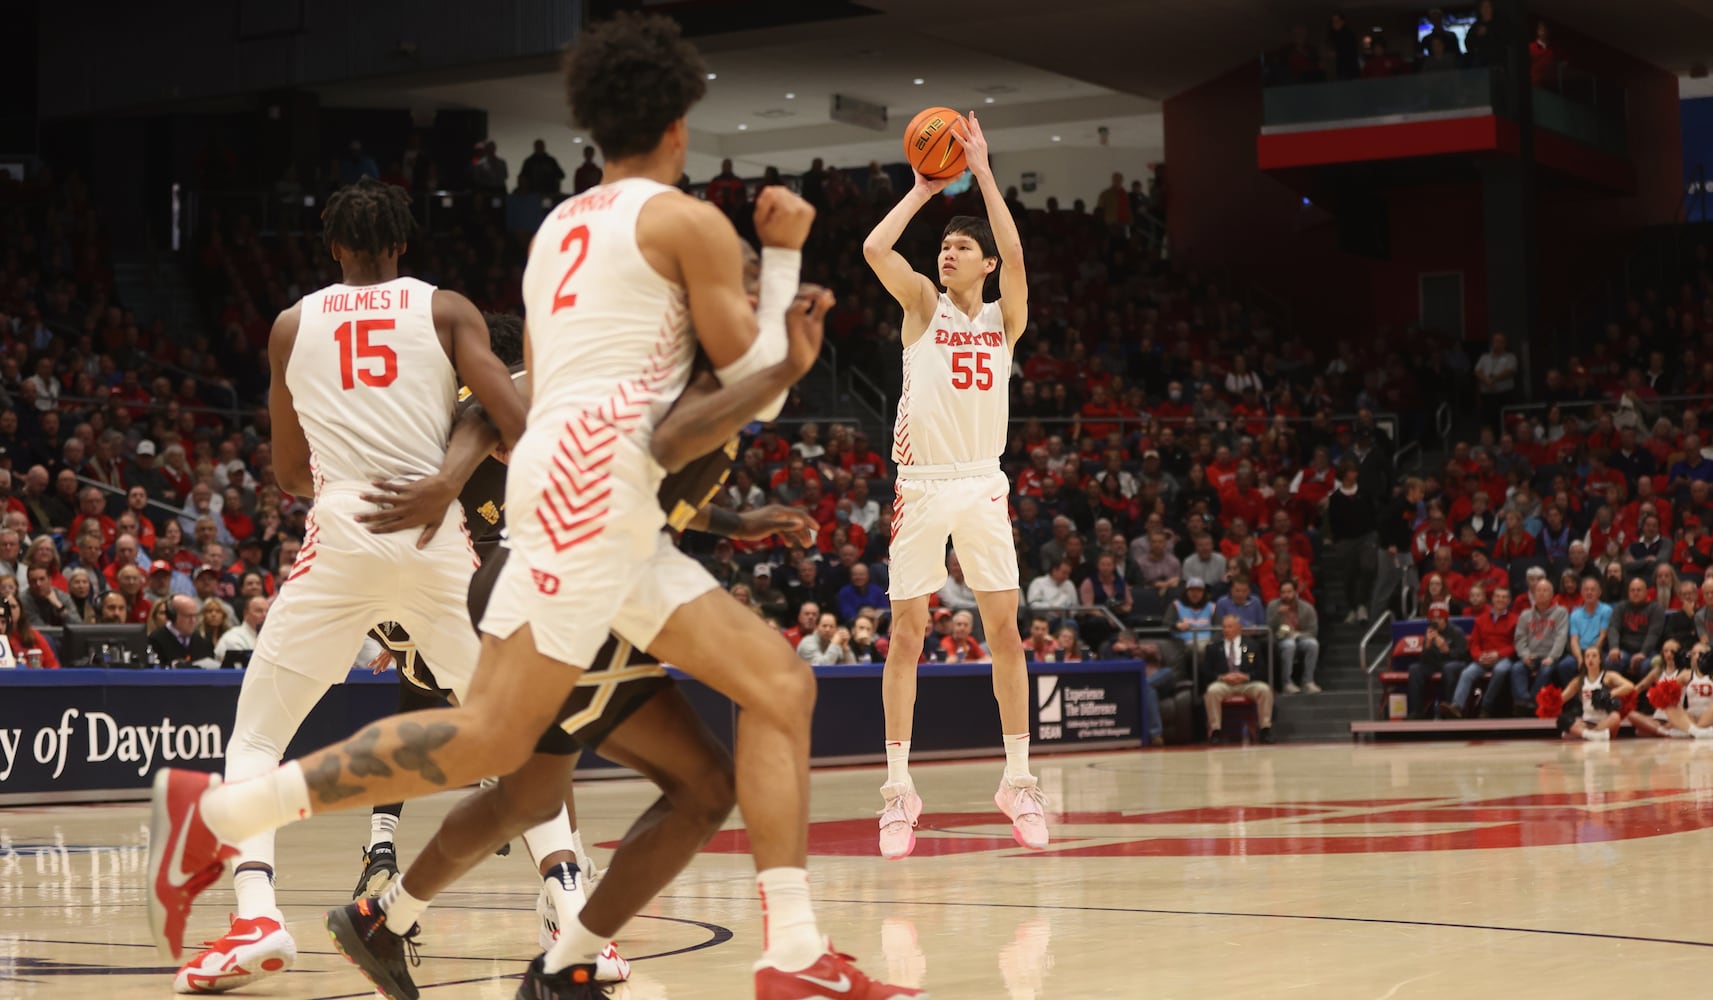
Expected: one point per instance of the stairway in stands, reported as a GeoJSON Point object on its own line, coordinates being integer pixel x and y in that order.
{"type": "Point", "coordinates": [1326, 717]}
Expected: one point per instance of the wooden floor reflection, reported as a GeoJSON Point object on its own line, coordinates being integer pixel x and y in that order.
{"type": "Point", "coordinates": [1419, 871]}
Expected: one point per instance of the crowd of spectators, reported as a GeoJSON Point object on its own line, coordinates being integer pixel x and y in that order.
{"type": "Point", "coordinates": [1344, 53]}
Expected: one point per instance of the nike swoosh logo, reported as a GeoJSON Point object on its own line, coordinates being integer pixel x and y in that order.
{"type": "Point", "coordinates": [997, 498]}
{"type": "Point", "coordinates": [839, 985]}
{"type": "Point", "coordinates": [946, 157]}
{"type": "Point", "coordinates": [176, 875]}
{"type": "Point", "coordinates": [250, 938]}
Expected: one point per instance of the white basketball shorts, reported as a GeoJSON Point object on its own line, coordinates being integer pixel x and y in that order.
{"type": "Point", "coordinates": [969, 510]}
{"type": "Point", "coordinates": [588, 552]}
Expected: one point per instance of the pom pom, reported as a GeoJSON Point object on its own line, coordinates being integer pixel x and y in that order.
{"type": "Point", "coordinates": [1666, 693]}
{"type": "Point", "coordinates": [1627, 704]}
{"type": "Point", "coordinates": [1549, 702]}
{"type": "Point", "coordinates": [1603, 700]}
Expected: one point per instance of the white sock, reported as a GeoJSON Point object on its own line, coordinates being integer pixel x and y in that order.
{"type": "Point", "coordinates": [401, 908]}
{"type": "Point", "coordinates": [564, 885]}
{"type": "Point", "coordinates": [382, 826]}
{"type": "Point", "coordinates": [577, 945]}
{"type": "Point", "coordinates": [1596, 735]}
{"type": "Point", "coordinates": [898, 762]}
{"type": "Point", "coordinates": [1701, 733]}
{"type": "Point", "coordinates": [1017, 756]}
{"type": "Point", "coordinates": [255, 889]}
{"type": "Point", "coordinates": [577, 849]}
{"type": "Point", "coordinates": [790, 940]}
{"type": "Point", "coordinates": [243, 809]}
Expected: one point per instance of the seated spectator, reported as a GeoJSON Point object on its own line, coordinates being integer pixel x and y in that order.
{"type": "Point", "coordinates": [1647, 550]}
{"type": "Point", "coordinates": [1296, 628]}
{"type": "Point", "coordinates": [1589, 623]}
{"type": "Point", "coordinates": [1243, 604]}
{"type": "Point", "coordinates": [1041, 646]}
{"type": "Point", "coordinates": [956, 594]}
{"type": "Point", "coordinates": [860, 593]}
{"type": "Point", "coordinates": [1636, 627]}
{"type": "Point", "coordinates": [1613, 585]}
{"type": "Point", "coordinates": [1481, 573]}
{"type": "Point", "coordinates": [1071, 648]}
{"type": "Point", "coordinates": [1579, 563]}
{"type": "Point", "coordinates": [1285, 567]}
{"type": "Point", "coordinates": [961, 646]}
{"type": "Point", "coordinates": [43, 604]}
{"type": "Point", "coordinates": [1436, 596]}
{"type": "Point", "coordinates": [1445, 650]}
{"type": "Point", "coordinates": [177, 642]}
{"type": "Point", "coordinates": [1492, 647]}
{"type": "Point", "coordinates": [213, 622]}
{"type": "Point", "coordinates": [1232, 659]}
{"type": "Point", "coordinates": [1515, 542]}
{"type": "Point", "coordinates": [808, 618]}
{"type": "Point", "coordinates": [827, 645]}
{"type": "Point", "coordinates": [864, 646]}
{"type": "Point", "coordinates": [19, 641]}
{"type": "Point", "coordinates": [1156, 567]}
{"type": "Point", "coordinates": [1105, 588]}
{"type": "Point", "coordinates": [244, 635]}
{"type": "Point", "coordinates": [1204, 563]}
{"type": "Point", "coordinates": [114, 609]}
{"type": "Point", "coordinates": [131, 587]}
{"type": "Point", "coordinates": [1053, 592]}
{"type": "Point", "coordinates": [1553, 540]}
{"type": "Point", "coordinates": [85, 596]}
{"type": "Point", "coordinates": [1381, 63]}
{"type": "Point", "coordinates": [1664, 589]}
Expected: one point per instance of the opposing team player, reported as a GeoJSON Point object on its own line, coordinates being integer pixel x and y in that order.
{"type": "Point", "coordinates": [614, 279]}
{"type": "Point", "coordinates": [624, 707]}
{"type": "Point", "coordinates": [950, 431]}
{"type": "Point", "coordinates": [365, 379]}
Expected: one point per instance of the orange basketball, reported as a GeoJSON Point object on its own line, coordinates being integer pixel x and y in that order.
{"type": "Point", "coordinates": [931, 148]}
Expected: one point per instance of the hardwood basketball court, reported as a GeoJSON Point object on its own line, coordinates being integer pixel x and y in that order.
{"type": "Point", "coordinates": [1517, 869]}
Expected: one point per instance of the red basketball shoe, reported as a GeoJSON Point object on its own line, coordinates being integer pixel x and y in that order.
{"type": "Point", "coordinates": [184, 855]}
{"type": "Point", "coordinates": [833, 977]}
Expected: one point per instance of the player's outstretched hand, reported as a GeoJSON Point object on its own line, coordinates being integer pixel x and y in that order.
{"type": "Point", "coordinates": [974, 143]}
{"type": "Point", "coordinates": [782, 219]}
{"type": "Point", "coordinates": [794, 524]}
{"type": "Point", "coordinates": [805, 326]}
{"type": "Point", "coordinates": [931, 187]}
{"type": "Point", "coordinates": [420, 503]}
{"type": "Point", "coordinates": [382, 662]}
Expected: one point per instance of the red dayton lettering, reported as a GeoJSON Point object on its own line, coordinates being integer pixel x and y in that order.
{"type": "Point", "coordinates": [369, 298]}
{"type": "Point", "coordinates": [987, 339]}
{"type": "Point", "coordinates": [595, 201]}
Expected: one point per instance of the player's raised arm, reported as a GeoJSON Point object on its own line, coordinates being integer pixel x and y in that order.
{"type": "Point", "coordinates": [707, 256]}
{"type": "Point", "coordinates": [706, 416]}
{"type": "Point", "coordinates": [912, 290]}
{"type": "Point", "coordinates": [473, 358]}
{"type": "Point", "coordinates": [1013, 279]}
{"type": "Point", "coordinates": [291, 445]}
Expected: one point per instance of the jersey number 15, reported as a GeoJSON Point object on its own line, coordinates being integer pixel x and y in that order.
{"type": "Point", "coordinates": [354, 347]}
{"type": "Point", "coordinates": [964, 376]}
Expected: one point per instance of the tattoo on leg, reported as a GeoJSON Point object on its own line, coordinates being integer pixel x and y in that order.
{"type": "Point", "coordinates": [323, 780]}
{"type": "Point", "coordinates": [365, 763]}
{"type": "Point", "coordinates": [418, 741]}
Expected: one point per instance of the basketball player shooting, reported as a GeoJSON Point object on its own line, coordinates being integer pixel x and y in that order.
{"type": "Point", "coordinates": [614, 280]}
{"type": "Point", "coordinates": [949, 435]}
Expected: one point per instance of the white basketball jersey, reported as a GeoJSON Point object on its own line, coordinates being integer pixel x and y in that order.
{"type": "Point", "coordinates": [606, 331]}
{"type": "Point", "coordinates": [371, 383]}
{"type": "Point", "coordinates": [955, 403]}
{"type": "Point", "coordinates": [1698, 695]}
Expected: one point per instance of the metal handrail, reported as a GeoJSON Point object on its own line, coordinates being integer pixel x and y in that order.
{"type": "Point", "coordinates": [1408, 447]}
{"type": "Point", "coordinates": [861, 380]}
{"type": "Point", "coordinates": [1368, 671]}
{"type": "Point", "coordinates": [1505, 413]}
{"type": "Point", "coordinates": [1442, 421]}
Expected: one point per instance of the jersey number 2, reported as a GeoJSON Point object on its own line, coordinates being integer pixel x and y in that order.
{"type": "Point", "coordinates": [354, 347]}
{"type": "Point", "coordinates": [964, 376]}
{"type": "Point", "coordinates": [580, 236]}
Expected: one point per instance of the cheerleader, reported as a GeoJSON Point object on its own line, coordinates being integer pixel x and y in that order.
{"type": "Point", "coordinates": [1679, 719]}
{"type": "Point", "coordinates": [1602, 692]}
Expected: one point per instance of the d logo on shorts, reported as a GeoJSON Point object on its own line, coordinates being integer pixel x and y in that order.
{"type": "Point", "coordinates": [547, 583]}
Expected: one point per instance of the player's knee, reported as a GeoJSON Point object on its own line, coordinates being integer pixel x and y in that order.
{"type": "Point", "coordinates": [790, 697]}
{"type": "Point", "coordinates": [710, 797]}
{"type": "Point", "coordinates": [501, 748]}
{"type": "Point", "coordinates": [909, 622]}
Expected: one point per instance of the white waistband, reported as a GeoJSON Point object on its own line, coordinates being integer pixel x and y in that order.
{"type": "Point", "coordinates": [956, 470]}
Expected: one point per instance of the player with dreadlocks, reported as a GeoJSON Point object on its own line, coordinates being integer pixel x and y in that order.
{"type": "Point", "coordinates": [365, 377]}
